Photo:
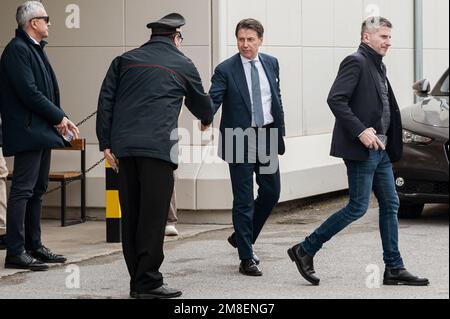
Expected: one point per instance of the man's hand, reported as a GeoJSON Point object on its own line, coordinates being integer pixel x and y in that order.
{"type": "Point", "coordinates": [371, 140]}
{"type": "Point", "coordinates": [74, 129]}
{"type": "Point", "coordinates": [63, 126]}
{"type": "Point", "coordinates": [112, 160]}
{"type": "Point", "coordinates": [67, 126]}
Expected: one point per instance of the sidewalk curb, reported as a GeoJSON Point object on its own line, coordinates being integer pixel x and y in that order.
{"type": "Point", "coordinates": [114, 251]}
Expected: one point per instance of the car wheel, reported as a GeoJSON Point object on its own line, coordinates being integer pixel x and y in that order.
{"type": "Point", "coordinates": [410, 211]}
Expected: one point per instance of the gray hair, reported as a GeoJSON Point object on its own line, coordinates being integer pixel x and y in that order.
{"type": "Point", "coordinates": [373, 24]}
{"type": "Point", "coordinates": [27, 11]}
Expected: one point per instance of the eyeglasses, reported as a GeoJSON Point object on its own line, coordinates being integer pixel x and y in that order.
{"type": "Point", "coordinates": [46, 19]}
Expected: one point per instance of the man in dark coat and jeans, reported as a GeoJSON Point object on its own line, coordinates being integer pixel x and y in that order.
{"type": "Point", "coordinates": [368, 136]}
{"type": "Point", "coordinates": [139, 105]}
{"type": "Point", "coordinates": [33, 123]}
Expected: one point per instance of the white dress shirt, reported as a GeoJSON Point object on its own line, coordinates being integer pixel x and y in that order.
{"type": "Point", "coordinates": [34, 40]}
{"type": "Point", "coordinates": [266, 93]}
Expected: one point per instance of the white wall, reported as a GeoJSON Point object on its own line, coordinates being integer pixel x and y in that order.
{"type": "Point", "coordinates": [436, 48]}
{"type": "Point", "coordinates": [82, 56]}
{"type": "Point", "coordinates": [309, 37]}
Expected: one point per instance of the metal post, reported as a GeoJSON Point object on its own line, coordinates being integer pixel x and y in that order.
{"type": "Point", "coordinates": [113, 212]}
{"type": "Point", "coordinates": [83, 185]}
{"type": "Point", "coordinates": [63, 204]}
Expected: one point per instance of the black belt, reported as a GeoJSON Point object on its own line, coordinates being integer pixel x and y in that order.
{"type": "Point", "coordinates": [271, 125]}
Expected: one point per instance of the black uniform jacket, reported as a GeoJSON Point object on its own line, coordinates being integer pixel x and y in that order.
{"type": "Point", "coordinates": [141, 98]}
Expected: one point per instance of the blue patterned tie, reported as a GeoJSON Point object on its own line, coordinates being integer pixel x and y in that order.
{"type": "Point", "coordinates": [257, 98]}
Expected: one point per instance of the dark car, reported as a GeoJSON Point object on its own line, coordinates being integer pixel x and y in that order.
{"type": "Point", "coordinates": [422, 174]}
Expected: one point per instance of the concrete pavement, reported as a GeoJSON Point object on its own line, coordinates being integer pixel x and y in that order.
{"type": "Point", "coordinates": [86, 241]}
{"type": "Point", "coordinates": [204, 266]}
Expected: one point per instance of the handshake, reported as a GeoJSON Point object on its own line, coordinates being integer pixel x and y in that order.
{"type": "Point", "coordinates": [68, 130]}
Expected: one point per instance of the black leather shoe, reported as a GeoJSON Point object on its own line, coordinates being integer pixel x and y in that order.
{"type": "Point", "coordinates": [163, 292]}
{"type": "Point", "coordinates": [47, 256]}
{"type": "Point", "coordinates": [250, 268]}
{"type": "Point", "coordinates": [305, 264]}
{"type": "Point", "coordinates": [232, 242]}
{"type": "Point", "coordinates": [395, 277]}
{"type": "Point", "coordinates": [24, 261]}
{"type": "Point", "coordinates": [2, 242]}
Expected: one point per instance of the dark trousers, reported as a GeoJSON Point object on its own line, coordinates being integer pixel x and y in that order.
{"type": "Point", "coordinates": [23, 217]}
{"type": "Point", "coordinates": [146, 186]}
{"type": "Point", "coordinates": [250, 215]}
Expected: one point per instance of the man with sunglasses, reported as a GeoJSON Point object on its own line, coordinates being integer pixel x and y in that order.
{"type": "Point", "coordinates": [33, 123]}
{"type": "Point", "coordinates": [139, 105]}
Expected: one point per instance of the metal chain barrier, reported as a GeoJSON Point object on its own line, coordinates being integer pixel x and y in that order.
{"type": "Point", "coordinates": [90, 168]}
{"type": "Point", "coordinates": [70, 182]}
{"type": "Point", "coordinates": [86, 119]}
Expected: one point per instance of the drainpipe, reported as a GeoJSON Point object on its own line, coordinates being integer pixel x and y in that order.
{"type": "Point", "coordinates": [418, 40]}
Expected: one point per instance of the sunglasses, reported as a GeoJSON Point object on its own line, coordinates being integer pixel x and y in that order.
{"type": "Point", "coordinates": [46, 19]}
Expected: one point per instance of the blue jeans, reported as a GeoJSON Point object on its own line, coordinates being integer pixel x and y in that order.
{"type": "Point", "coordinates": [364, 176]}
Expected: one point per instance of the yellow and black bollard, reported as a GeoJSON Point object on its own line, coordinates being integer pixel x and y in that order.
{"type": "Point", "coordinates": [113, 211]}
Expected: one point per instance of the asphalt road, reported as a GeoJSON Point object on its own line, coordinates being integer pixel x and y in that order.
{"type": "Point", "coordinates": [205, 266]}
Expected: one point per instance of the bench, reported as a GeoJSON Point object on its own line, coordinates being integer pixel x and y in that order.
{"type": "Point", "coordinates": [64, 178]}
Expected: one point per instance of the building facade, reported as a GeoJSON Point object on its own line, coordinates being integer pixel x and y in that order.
{"type": "Point", "coordinates": [309, 37]}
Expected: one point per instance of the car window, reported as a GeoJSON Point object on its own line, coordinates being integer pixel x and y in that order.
{"type": "Point", "coordinates": [444, 87]}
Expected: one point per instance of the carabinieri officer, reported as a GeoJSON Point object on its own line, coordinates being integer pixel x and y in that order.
{"type": "Point", "coordinates": [139, 105]}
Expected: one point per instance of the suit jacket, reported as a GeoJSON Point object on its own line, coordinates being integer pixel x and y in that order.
{"type": "Point", "coordinates": [29, 102]}
{"type": "Point", "coordinates": [355, 100]}
{"type": "Point", "coordinates": [230, 90]}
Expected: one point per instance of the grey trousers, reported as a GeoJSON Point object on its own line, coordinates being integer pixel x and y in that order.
{"type": "Point", "coordinates": [3, 198]}
{"type": "Point", "coordinates": [172, 218]}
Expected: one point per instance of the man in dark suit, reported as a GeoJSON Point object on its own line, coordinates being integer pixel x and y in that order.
{"type": "Point", "coordinates": [368, 136]}
{"type": "Point", "coordinates": [247, 87]}
{"type": "Point", "coordinates": [33, 123]}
